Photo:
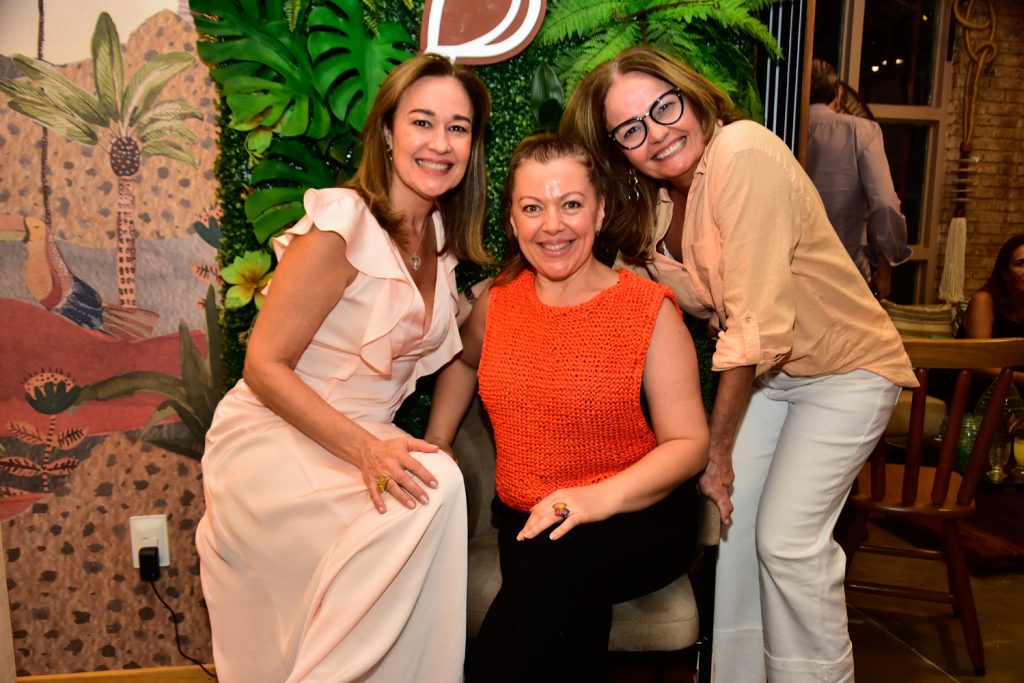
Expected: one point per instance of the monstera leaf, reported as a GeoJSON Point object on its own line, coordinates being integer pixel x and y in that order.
{"type": "Point", "coordinates": [289, 168]}
{"type": "Point", "coordinates": [349, 63]}
{"type": "Point", "coordinates": [263, 69]}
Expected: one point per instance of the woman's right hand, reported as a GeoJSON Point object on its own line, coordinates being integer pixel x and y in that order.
{"type": "Point", "coordinates": [715, 484]}
{"type": "Point", "coordinates": [390, 462]}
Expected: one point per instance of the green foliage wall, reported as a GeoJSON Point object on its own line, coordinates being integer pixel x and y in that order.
{"type": "Point", "coordinates": [717, 38]}
{"type": "Point", "coordinates": [237, 236]}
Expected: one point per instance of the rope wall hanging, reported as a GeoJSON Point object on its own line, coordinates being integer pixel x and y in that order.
{"type": "Point", "coordinates": [978, 30]}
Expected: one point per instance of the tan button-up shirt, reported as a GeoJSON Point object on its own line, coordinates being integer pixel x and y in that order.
{"type": "Point", "coordinates": [762, 263]}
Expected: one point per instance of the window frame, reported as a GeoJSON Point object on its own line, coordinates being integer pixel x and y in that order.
{"type": "Point", "coordinates": [927, 249]}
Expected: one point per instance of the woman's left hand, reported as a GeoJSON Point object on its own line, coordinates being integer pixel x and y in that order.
{"type": "Point", "coordinates": [580, 505]}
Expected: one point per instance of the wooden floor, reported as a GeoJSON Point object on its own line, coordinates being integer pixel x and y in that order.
{"type": "Point", "coordinates": [167, 674]}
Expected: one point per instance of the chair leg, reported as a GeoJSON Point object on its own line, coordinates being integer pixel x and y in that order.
{"type": "Point", "coordinates": [960, 587]}
{"type": "Point", "coordinates": [705, 610]}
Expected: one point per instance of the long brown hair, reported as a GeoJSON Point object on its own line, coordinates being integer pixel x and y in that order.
{"type": "Point", "coordinates": [998, 282]}
{"type": "Point", "coordinates": [542, 148]}
{"type": "Point", "coordinates": [463, 208]}
{"type": "Point", "coordinates": [629, 220]}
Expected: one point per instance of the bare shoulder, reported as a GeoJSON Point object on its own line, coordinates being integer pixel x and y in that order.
{"type": "Point", "coordinates": [670, 339]}
{"type": "Point", "coordinates": [316, 254]}
{"type": "Point", "coordinates": [982, 298]}
{"type": "Point", "coordinates": [980, 317]}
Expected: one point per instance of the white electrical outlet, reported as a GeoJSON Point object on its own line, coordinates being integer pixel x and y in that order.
{"type": "Point", "coordinates": [149, 530]}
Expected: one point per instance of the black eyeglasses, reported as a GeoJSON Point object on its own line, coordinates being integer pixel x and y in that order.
{"type": "Point", "coordinates": [666, 110]}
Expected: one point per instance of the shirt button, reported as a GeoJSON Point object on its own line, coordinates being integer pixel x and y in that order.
{"type": "Point", "coordinates": [748, 319]}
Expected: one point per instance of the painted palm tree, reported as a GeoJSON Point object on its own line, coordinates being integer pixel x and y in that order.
{"type": "Point", "coordinates": [125, 118]}
{"type": "Point", "coordinates": [44, 140]}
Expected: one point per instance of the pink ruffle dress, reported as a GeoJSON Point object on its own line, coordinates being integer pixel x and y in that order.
{"type": "Point", "coordinates": [304, 579]}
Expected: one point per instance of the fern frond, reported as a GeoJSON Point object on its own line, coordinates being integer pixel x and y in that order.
{"type": "Point", "coordinates": [759, 32]}
{"type": "Point", "coordinates": [572, 18]}
{"type": "Point", "coordinates": [600, 49]}
{"type": "Point", "coordinates": [686, 12]}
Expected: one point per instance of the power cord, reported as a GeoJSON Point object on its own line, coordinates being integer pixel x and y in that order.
{"type": "Point", "coordinates": [149, 572]}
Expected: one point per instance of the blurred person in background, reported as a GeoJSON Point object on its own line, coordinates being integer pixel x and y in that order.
{"type": "Point", "coordinates": [847, 164]}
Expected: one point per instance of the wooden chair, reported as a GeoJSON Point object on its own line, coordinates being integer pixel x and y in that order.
{"type": "Point", "coordinates": [924, 492]}
{"type": "Point", "coordinates": [664, 621]}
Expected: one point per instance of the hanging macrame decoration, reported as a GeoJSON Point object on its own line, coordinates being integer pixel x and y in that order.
{"type": "Point", "coordinates": [979, 42]}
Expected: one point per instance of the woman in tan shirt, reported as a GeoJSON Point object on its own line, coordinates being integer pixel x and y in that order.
{"type": "Point", "coordinates": [810, 365]}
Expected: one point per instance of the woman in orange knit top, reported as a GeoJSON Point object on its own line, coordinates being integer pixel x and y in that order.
{"type": "Point", "coordinates": [592, 507]}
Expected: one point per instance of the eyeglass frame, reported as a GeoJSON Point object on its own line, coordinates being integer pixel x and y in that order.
{"type": "Point", "coordinates": [650, 114]}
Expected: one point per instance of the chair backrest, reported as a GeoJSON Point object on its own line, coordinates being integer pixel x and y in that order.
{"type": "Point", "coordinates": [965, 356]}
{"type": "Point", "coordinates": [474, 446]}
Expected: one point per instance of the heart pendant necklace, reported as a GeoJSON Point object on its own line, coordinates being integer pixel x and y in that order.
{"type": "Point", "coordinates": [414, 258]}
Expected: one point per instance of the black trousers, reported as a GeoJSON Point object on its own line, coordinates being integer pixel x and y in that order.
{"type": "Point", "coordinates": [551, 618]}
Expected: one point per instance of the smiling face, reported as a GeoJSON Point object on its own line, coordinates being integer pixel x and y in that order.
{"type": "Point", "coordinates": [430, 141]}
{"type": "Point", "coordinates": [670, 152]}
{"type": "Point", "coordinates": [555, 215]}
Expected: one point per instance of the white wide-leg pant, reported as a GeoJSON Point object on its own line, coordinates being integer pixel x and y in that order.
{"type": "Point", "coordinates": [780, 608]}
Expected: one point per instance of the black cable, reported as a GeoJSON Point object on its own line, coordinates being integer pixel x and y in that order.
{"type": "Point", "coordinates": [177, 636]}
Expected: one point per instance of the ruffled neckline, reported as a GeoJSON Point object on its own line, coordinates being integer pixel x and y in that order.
{"type": "Point", "coordinates": [344, 212]}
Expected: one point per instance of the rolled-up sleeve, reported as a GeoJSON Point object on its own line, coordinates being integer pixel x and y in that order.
{"type": "Point", "coordinates": [756, 211]}
{"type": "Point", "coordinates": [886, 224]}
{"type": "Point", "coordinates": [760, 259]}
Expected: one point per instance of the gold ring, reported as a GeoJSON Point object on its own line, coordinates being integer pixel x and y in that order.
{"type": "Point", "coordinates": [561, 510]}
{"type": "Point", "coordinates": [382, 482]}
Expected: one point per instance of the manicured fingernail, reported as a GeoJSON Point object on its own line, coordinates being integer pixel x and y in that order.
{"type": "Point", "coordinates": [432, 483]}
{"type": "Point", "coordinates": [411, 504]}
{"type": "Point", "coordinates": [424, 500]}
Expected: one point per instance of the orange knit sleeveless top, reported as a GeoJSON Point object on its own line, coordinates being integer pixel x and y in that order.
{"type": "Point", "coordinates": [562, 385]}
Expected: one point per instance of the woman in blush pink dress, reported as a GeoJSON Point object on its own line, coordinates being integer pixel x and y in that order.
{"type": "Point", "coordinates": [333, 547]}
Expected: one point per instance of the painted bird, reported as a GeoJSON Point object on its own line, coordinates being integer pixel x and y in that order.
{"type": "Point", "coordinates": [47, 276]}
{"type": "Point", "coordinates": [57, 289]}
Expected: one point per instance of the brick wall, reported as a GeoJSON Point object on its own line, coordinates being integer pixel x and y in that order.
{"type": "Point", "coordinates": [997, 209]}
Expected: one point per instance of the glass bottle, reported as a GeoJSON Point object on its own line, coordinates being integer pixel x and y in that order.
{"type": "Point", "coordinates": [968, 433]}
{"type": "Point", "coordinates": [999, 451]}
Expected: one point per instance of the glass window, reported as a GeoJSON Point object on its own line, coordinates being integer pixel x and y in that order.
{"type": "Point", "coordinates": [892, 53]}
{"type": "Point", "coordinates": [828, 32]}
{"type": "Point", "coordinates": [907, 148]}
{"type": "Point", "coordinates": [906, 280]}
{"type": "Point", "coordinates": [897, 52]}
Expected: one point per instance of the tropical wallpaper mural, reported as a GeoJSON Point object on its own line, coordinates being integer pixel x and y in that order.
{"type": "Point", "coordinates": [150, 150]}
{"type": "Point", "coordinates": [109, 226]}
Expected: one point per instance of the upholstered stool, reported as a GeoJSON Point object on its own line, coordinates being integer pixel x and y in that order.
{"type": "Point", "coordinates": [666, 620]}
